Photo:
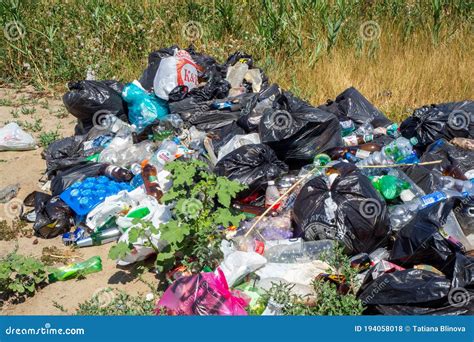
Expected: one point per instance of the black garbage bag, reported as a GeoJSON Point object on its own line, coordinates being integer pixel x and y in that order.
{"type": "Point", "coordinates": [351, 104]}
{"type": "Point", "coordinates": [252, 165]}
{"type": "Point", "coordinates": [252, 112]}
{"type": "Point", "coordinates": [350, 211]}
{"type": "Point", "coordinates": [450, 155]}
{"type": "Point", "coordinates": [76, 173]}
{"type": "Point", "coordinates": [216, 88]}
{"type": "Point", "coordinates": [154, 60]}
{"type": "Point", "coordinates": [445, 120]}
{"type": "Point", "coordinates": [415, 292]}
{"type": "Point", "coordinates": [53, 216]}
{"type": "Point", "coordinates": [221, 136]}
{"type": "Point", "coordinates": [297, 131]}
{"type": "Point", "coordinates": [63, 153]}
{"type": "Point", "coordinates": [100, 98]}
{"type": "Point", "coordinates": [420, 241]}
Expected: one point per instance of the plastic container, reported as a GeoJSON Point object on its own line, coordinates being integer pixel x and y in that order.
{"type": "Point", "coordinates": [297, 250]}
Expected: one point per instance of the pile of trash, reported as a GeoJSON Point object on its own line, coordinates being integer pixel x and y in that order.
{"type": "Point", "coordinates": [398, 198]}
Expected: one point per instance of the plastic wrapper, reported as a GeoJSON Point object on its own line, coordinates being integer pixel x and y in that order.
{"type": "Point", "coordinates": [65, 178]}
{"type": "Point", "coordinates": [13, 138]}
{"type": "Point", "coordinates": [238, 141]}
{"type": "Point", "coordinates": [300, 273]}
{"type": "Point", "coordinates": [350, 210]}
{"type": "Point", "coordinates": [445, 120]}
{"type": "Point", "coordinates": [238, 264]}
{"type": "Point", "coordinates": [297, 131]}
{"type": "Point", "coordinates": [203, 294]}
{"type": "Point", "coordinates": [251, 165]}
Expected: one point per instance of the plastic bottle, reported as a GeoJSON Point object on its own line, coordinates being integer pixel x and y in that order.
{"type": "Point", "coordinates": [394, 152]}
{"type": "Point", "coordinates": [271, 195]}
{"type": "Point", "coordinates": [165, 154]}
{"type": "Point", "coordinates": [404, 213]}
{"type": "Point", "coordinates": [389, 186]}
{"type": "Point", "coordinates": [91, 265]}
{"type": "Point", "coordinates": [347, 127]}
{"type": "Point", "coordinates": [365, 129]}
{"type": "Point", "coordinates": [455, 172]}
{"type": "Point", "coordinates": [353, 140]}
{"type": "Point", "coordinates": [116, 173]}
{"type": "Point", "coordinates": [100, 238]}
{"type": "Point", "coordinates": [288, 251]}
{"type": "Point", "coordinates": [361, 151]}
{"type": "Point", "coordinates": [150, 180]}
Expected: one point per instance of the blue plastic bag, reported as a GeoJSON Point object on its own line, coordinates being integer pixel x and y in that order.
{"type": "Point", "coordinates": [143, 108]}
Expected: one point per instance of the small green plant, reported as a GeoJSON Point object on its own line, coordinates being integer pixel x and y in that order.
{"type": "Point", "coordinates": [21, 275]}
{"type": "Point", "coordinates": [15, 114]}
{"type": "Point", "coordinates": [47, 138]}
{"type": "Point", "coordinates": [327, 299]}
{"type": "Point", "coordinates": [201, 206]}
{"type": "Point", "coordinates": [109, 302]}
{"type": "Point", "coordinates": [14, 230]}
{"type": "Point", "coordinates": [36, 126]}
{"type": "Point", "coordinates": [27, 111]}
{"type": "Point", "coordinates": [6, 103]}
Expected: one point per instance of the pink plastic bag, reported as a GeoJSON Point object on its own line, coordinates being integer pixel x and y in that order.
{"type": "Point", "coordinates": [203, 294]}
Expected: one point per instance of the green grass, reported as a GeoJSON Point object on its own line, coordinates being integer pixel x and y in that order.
{"type": "Point", "coordinates": [47, 138]}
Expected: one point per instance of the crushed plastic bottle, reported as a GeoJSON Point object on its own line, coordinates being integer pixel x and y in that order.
{"type": "Point", "coordinates": [91, 265]}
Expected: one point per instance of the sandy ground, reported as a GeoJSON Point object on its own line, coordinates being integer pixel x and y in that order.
{"type": "Point", "coordinates": [26, 168]}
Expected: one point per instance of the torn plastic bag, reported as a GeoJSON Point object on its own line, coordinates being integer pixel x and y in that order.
{"type": "Point", "coordinates": [238, 264]}
{"type": "Point", "coordinates": [445, 120]}
{"type": "Point", "coordinates": [236, 142]}
{"type": "Point", "coordinates": [221, 136]}
{"type": "Point", "coordinates": [350, 210]}
{"type": "Point", "coordinates": [13, 138]}
{"type": "Point", "coordinates": [351, 104]}
{"type": "Point", "coordinates": [65, 178]}
{"type": "Point", "coordinates": [90, 101]}
{"type": "Point", "coordinates": [300, 273]}
{"type": "Point", "coordinates": [203, 294]}
{"type": "Point", "coordinates": [296, 131]}
{"type": "Point", "coordinates": [252, 112]}
{"type": "Point", "coordinates": [53, 216]}
{"type": "Point", "coordinates": [252, 165]}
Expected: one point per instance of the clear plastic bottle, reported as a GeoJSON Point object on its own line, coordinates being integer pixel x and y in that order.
{"type": "Point", "coordinates": [165, 154]}
{"type": "Point", "coordinates": [404, 213]}
{"type": "Point", "coordinates": [288, 251]}
{"type": "Point", "coordinates": [271, 195]}
{"type": "Point", "coordinates": [394, 152]}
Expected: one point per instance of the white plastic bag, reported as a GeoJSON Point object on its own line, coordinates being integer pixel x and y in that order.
{"type": "Point", "coordinates": [13, 138]}
{"type": "Point", "coordinates": [238, 141]}
{"type": "Point", "coordinates": [299, 273]}
{"type": "Point", "coordinates": [238, 264]}
{"type": "Point", "coordinates": [174, 71]}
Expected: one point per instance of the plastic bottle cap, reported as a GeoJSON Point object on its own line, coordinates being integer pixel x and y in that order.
{"type": "Point", "coordinates": [413, 141]}
{"type": "Point", "coordinates": [143, 163]}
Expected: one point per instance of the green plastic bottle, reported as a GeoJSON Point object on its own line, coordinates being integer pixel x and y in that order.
{"type": "Point", "coordinates": [91, 265]}
{"type": "Point", "coordinates": [389, 186]}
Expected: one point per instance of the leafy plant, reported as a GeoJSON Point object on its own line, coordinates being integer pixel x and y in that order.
{"type": "Point", "coordinates": [201, 206]}
{"type": "Point", "coordinates": [47, 138]}
{"type": "Point", "coordinates": [327, 299]}
{"type": "Point", "coordinates": [21, 275]}
{"type": "Point", "coordinates": [109, 302]}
